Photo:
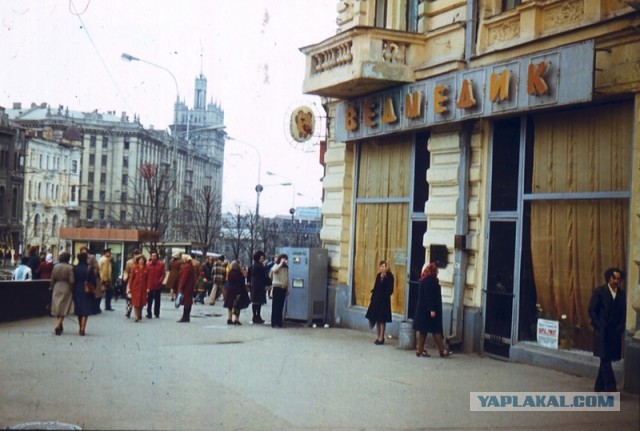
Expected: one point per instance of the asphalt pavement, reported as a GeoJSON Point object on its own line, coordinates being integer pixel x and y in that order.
{"type": "Point", "coordinates": [158, 374]}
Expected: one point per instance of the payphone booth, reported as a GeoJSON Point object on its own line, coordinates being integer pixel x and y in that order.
{"type": "Point", "coordinates": [308, 273]}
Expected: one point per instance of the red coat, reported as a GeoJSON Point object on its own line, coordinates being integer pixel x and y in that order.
{"type": "Point", "coordinates": [138, 282]}
{"type": "Point", "coordinates": [156, 274]}
{"type": "Point", "coordinates": [187, 283]}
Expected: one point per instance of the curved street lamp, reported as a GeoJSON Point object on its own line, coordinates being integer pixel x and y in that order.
{"type": "Point", "coordinates": [174, 139]}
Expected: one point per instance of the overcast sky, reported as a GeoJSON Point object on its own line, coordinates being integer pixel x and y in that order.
{"type": "Point", "coordinates": [68, 53]}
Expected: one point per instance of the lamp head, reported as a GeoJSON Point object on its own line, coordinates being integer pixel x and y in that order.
{"type": "Point", "coordinates": [127, 57]}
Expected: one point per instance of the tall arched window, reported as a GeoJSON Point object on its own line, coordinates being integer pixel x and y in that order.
{"type": "Point", "coordinates": [2, 203]}
{"type": "Point", "coordinates": [36, 224]}
{"type": "Point", "coordinates": [14, 203]}
{"type": "Point", "coordinates": [54, 226]}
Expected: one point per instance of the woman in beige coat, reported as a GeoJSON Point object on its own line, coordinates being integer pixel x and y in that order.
{"type": "Point", "coordinates": [62, 297]}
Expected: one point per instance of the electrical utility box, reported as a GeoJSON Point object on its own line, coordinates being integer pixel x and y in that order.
{"type": "Point", "coordinates": [308, 277]}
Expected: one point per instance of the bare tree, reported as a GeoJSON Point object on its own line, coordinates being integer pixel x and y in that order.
{"type": "Point", "coordinates": [268, 235]}
{"type": "Point", "coordinates": [150, 203]}
{"type": "Point", "coordinates": [235, 231]}
{"type": "Point", "coordinates": [253, 234]}
{"type": "Point", "coordinates": [204, 216]}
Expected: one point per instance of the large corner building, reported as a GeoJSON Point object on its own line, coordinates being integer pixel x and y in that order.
{"type": "Point", "coordinates": [500, 138]}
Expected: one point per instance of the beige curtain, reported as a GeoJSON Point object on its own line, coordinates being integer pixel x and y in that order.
{"type": "Point", "coordinates": [381, 229]}
{"type": "Point", "coordinates": [574, 241]}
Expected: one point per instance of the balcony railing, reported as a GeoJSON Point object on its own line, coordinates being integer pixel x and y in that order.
{"type": "Point", "coordinates": [362, 60]}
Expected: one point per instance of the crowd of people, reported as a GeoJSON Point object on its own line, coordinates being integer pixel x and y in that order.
{"type": "Point", "coordinates": [78, 289]}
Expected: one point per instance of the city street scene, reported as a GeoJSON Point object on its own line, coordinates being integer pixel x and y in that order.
{"type": "Point", "coordinates": [204, 375]}
{"type": "Point", "coordinates": [320, 214]}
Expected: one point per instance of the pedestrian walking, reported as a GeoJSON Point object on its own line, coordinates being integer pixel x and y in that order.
{"type": "Point", "coordinates": [207, 268]}
{"type": "Point", "coordinates": [280, 285]}
{"type": "Point", "coordinates": [93, 262]}
{"type": "Point", "coordinates": [128, 267]}
{"type": "Point", "coordinates": [607, 310]}
{"type": "Point", "coordinates": [62, 281]}
{"type": "Point", "coordinates": [236, 297]}
{"type": "Point", "coordinates": [174, 275]}
{"type": "Point", "coordinates": [84, 302]}
{"type": "Point", "coordinates": [219, 274]}
{"type": "Point", "coordinates": [138, 286]}
{"type": "Point", "coordinates": [106, 282]}
{"type": "Point", "coordinates": [34, 262]}
{"type": "Point", "coordinates": [428, 312]}
{"type": "Point", "coordinates": [379, 311]}
{"type": "Point", "coordinates": [46, 267]}
{"type": "Point", "coordinates": [156, 277]}
{"type": "Point", "coordinates": [186, 286]}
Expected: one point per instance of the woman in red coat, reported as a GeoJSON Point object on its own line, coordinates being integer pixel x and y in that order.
{"type": "Point", "coordinates": [138, 286]}
{"type": "Point", "coordinates": [186, 284]}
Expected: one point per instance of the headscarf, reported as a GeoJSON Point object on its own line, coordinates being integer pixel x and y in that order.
{"type": "Point", "coordinates": [430, 270]}
{"type": "Point", "coordinates": [49, 258]}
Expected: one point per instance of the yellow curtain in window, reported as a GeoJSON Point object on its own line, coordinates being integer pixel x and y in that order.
{"type": "Point", "coordinates": [381, 229]}
{"type": "Point", "coordinates": [574, 241]}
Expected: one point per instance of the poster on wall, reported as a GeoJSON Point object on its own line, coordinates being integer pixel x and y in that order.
{"type": "Point", "coordinates": [547, 333]}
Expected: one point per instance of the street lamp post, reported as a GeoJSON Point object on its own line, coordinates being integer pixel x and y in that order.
{"type": "Point", "coordinates": [292, 210]}
{"type": "Point", "coordinates": [174, 136]}
{"type": "Point", "coordinates": [259, 186]}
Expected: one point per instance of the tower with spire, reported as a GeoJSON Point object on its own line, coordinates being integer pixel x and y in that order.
{"type": "Point", "coordinates": [202, 129]}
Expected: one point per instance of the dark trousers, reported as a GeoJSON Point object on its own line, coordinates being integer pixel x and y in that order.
{"type": "Point", "coordinates": [96, 305]}
{"type": "Point", "coordinates": [277, 306]}
{"type": "Point", "coordinates": [606, 380]}
{"type": "Point", "coordinates": [108, 294]}
{"type": "Point", "coordinates": [153, 298]}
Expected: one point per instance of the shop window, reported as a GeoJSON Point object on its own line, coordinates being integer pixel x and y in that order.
{"type": "Point", "coordinates": [382, 218]}
{"type": "Point", "coordinates": [504, 175]}
{"type": "Point", "coordinates": [576, 215]}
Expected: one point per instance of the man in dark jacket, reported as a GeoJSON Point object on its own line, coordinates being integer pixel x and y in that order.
{"type": "Point", "coordinates": [607, 310]}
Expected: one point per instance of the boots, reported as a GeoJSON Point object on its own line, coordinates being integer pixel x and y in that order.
{"type": "Point", "coordinates": [185, 315]}
{"type": "Point", "coordinates": [256, 314]}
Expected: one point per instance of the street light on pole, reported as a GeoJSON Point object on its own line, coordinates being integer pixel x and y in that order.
{"type": "Point", "coordinates": [259, 186]}
{"type": "Point", "coordinates": [174, 136]}
{"type": "Point", "coordinates": [292, 210]}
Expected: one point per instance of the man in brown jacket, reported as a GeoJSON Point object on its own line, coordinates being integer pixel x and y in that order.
{"type": "Point", "coordinates": [106, 273]}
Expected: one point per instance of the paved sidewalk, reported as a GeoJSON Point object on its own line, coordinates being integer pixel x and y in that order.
{"type": "Point", "coordinates": [161, 375]}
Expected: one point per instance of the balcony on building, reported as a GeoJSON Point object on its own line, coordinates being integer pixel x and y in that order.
{"type": "Point", "coordinates": [361, 60]}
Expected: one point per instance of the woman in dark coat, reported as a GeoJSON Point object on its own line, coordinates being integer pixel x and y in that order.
{"type": "Point", "coordinates": [84, 303]}
{"type": "Point", "coordinates": [428, 314]}
{"type": "Point", "coordinates": [186, 285]}
{"type": "Point", "coordinates": [259, 283]}
{"type": "Point", "coordinates": [379, 311]}
{"type": "Point", "coordinates": [236, 297]}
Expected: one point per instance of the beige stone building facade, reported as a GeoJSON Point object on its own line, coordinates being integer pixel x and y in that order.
{"type": "Point", "coordinates": [500, 138]}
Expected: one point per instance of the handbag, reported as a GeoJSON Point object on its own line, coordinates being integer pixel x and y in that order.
{"type": "Point", "coordinates": [89, 289]}
{"type": "Point", "coordinates": [179, 298]}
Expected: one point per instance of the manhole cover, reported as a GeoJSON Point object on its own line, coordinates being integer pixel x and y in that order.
{"type": "Point", "coordinates": [44, 425]}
